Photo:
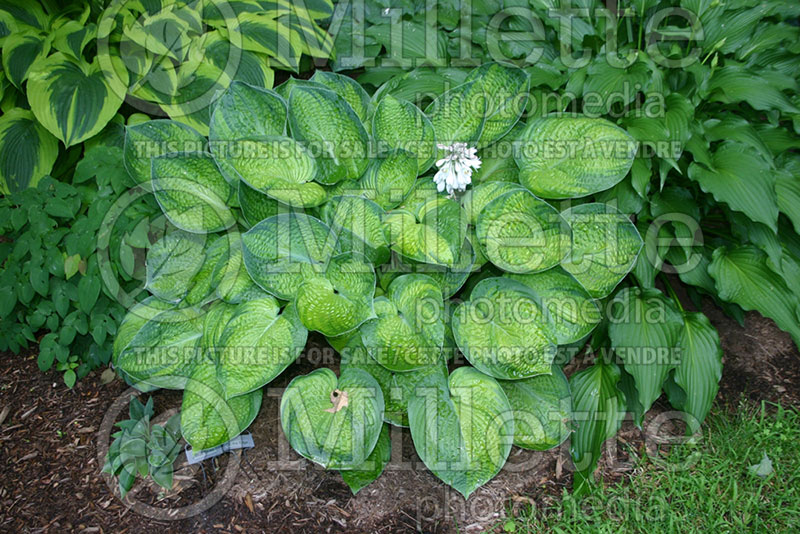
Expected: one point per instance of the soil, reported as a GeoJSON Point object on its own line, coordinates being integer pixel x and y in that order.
{"type": "Point", "coordinates": [53, 440]}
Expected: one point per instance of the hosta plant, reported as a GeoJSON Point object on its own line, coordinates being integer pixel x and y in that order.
{"type": "Point", "coordinates": [319, 212]}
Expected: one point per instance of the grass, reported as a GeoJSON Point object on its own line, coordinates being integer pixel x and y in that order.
{"type": "Point", "coordinates": [715, 492]}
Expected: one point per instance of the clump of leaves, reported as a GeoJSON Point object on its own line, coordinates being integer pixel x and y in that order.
{"type": "Point", "coordinates": [143, 449]}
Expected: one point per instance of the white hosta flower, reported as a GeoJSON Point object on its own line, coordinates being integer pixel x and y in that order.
{"type": "Point", "coordinates": [455, 168]}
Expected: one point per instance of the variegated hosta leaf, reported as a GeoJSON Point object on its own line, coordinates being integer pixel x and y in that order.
{"type": "Point", "coordinates": [333, 422]}
{"type": "Point", "coordinates": [197, 85]}
{"type": "Point", "coordinates": [358, 226]}
{"type": "Point", "coordinates": [570, 157]}
{"type": "Point", "coordinates": [477, 198]}
{"type": "Point", "coordinates": [171, 264]}
{"type": "Point", "coordinates": [458, 115]}
{"type": "Point", "coordinates": [605, 247]}
{"type": "Point", "coordinates": [245, 112]}
{"type": "Point", "coordinates": [20, 50]}
{"type": "Point", "coordinates": [265, 33]}
{"type": "Point", "coordinates": [73, 99]}
{"type": "Point", "coordinates": [362, 475]}
{"type": "Point", "coordinates": [164, 351]}
{"type": "Point", "coordinates": [397, 388]}
{"type": "Point", "coordinates": [202, 288]}
{"type": "Point", "coordinates": [230, 277]}
{"type": "Point", "coordinates": [399, 124]}
{"type": "Point", "coordinates": [147, 140]}
{"type": "Point", "coordinates": [134, 320]}
{"type": "Point", "coordinates": [450, 279]}
{"type": "Point", "coordinates": [573, 313]}
{"type": "Point", "coordinates": [27, 151]}
{"type": "Point", "coordinates": [192, 192]}
{"type": "Point", "coordinates": [390, 178]}
{"type": "Point", "coordinates": [542, 408]}
{"type": "Point", "coordinates": [277, 166]}
{"type": "Point", "coordinates": [408, 332]}
{"type": "Point", "coordinates": [504, 331]}
{"type": "Point", "coordinates": [285, 89]}
{"type": "Point", "coordinates": [506, 90]}
{"type": "Point", "coordinates": [243, 66]}
{"type": "Point", "coordinates": [340, 299]}
{"type": "Point", "coordinates": [216, 319]}
{"type": "Point", "coordinates": [281, 252]}
{"type": "Point", "coordinates": [207, 418]}
{"type": "Point", "coordinates": [256, 206]}
{"type": "Point", "coordinates": [521, 233]}
{"type": "Point", "coordinates": [462, 428]}
{"type": "Point", "coordinates": [431, 231]}
{"type": "Point", "coordinates": [258, 343]}
{"type": "Point", "coordinates": [347, 88]}
{"type": "Point", "coordinates": [326, 124]}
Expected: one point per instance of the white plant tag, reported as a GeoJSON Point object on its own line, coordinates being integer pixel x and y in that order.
{"type": "Point", "coordinates": [242, 441]}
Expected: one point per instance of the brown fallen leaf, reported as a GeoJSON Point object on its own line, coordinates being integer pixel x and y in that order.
{"type": "Point", "coordinates": [339, 401]}
{"type": "Point", "coordinates": [248, 500]}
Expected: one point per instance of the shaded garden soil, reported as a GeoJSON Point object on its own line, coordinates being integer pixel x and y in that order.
{"type": "Point", "coordinates": [52, 441]}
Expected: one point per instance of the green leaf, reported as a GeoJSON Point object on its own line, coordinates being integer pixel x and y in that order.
{"type": "Point", "coordinates": [27, 151]}
{"type": "Point", "coordinates": [358, 224]}
{"type": "Point", "coordinates": [243, 112]}
{"type": "Point", "coordinates": [542, 408]}
{"type": "Point", "coordinates": [607, 84]}
{"type": "Point", "coordinates": [462, 428]}
{"type": "Point", "coordinates": [171, 264]}
{"type": "Point", "coordinates": [88, 292]}
{"type": "Point", "coordinates": [572, 311]}
{"type": "Point", "coordinates": [605, 247]}
{"type": "Point", "coordinates": [644, 332]}
{"type": "Point", "coordinates": [399, 124]}
{"type": "Point", "coordinates": [521, 233]}
{"type": "Point", "coordinates": [257, 344]}
{"type": "Point", "coordinates": [20, 51]}
{"type": "Point", "coordinates": [408, 332]}
{"type": "Point", "coordinates": [741, 179]}
{"type": "Point", "coordinates": [347, 88]}
{"type": "Point", "coordinates": [149, 139]}
{"type": "Point", "coordinates": [598, 408]}
{"type": "Point", "coordinates": [255, 205]}
{"type": "Point", "coordinates": [366, 473]}
{"type": "Point", "coordinates": [459, 114]}
{"type": "Point", "coordinates": [570, 157]}
{"type": "Point", "coordinates": [133, 321]}
{"type": "Point", "coordinates": [733, 83]}
{"type": "Point", "coordinates": [700, 368]}
{"type": "Point", "coordinates": [390, 178]}
{"type": "Point", "coordinates": [335, 423]}
{"type": "Point", "coordinates": [503, 330]}
{"type": "Point", "coordinates": [505, 88]}
{"type": "Point", "coordinates": [281, 252]}
{"type": "Point", "coordinates": [321, 119]}
{"type": "Point", "coordinates": [477, 198]}
{"type": "Point", "coordinates": [74, 100]}
{"type": "Point", "coordinates": [743, 276]}
{"type": "Point", "coordinates": [207, 418]}
{"type": "Point", "coordinates": [192, 192]}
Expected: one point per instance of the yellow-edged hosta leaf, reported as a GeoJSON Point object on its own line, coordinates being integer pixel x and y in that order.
{"type": "Point", "coordinates": [27, 151]}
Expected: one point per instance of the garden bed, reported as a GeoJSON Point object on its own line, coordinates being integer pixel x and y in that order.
{"type": "Point", "coordinates": [51, 478]}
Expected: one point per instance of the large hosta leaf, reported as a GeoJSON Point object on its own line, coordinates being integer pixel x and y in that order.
{"type": "Point", "coordinates": [505, 88]}
{"type": "Point", "coordinates": [522, 234]}
{"type": "Point", "coordinates": [27, 151]}
{"type": "Point", "coordinates": [230, 278]}
{"type": "Point", "coordinates": [20, 50]}
{"type": "Point", "coordinates": [450, 278]}
{"type": "Point", "coordinates": [742, 275]}
{"type": "Point", "coordinates": [276, 166]}
{"type": "Point", "coordinates": [398, 124]}
{"type": "Point", "coordinates": [605, 247]}
{"type": "Point", "coordinates": [358, 224]}
{"type": "Point", "coordinates": [333, 422]}
{"type": "Point", "coordinates": [134, 320]}
{"type": "Point", "coordinates": [192, 192]}
{"type": "Point", "coordinates": [542, 408]}
{"type": "Point", "coordinates": [598, 408]}
{"type": "Point", "coordinates": [476, 199]}
{"type": "Point", "coordinates": [347, 88]}
{"type": "Point", "coordinates": [363, 475]}
{"type": "Point", "coordinates": [408, 332]}
{"type": "Point", "coordinates": [431, 231]}
{"type": "Point", "coordinates": [644, 334]}
{"type": "Point", "coordinates": [340, 299]}
{"type": "Point", "coordinates": [282, 251]}
{"type": "Point", "coordinates": [390, 178]}
{"type": "Point", "coordinates": [503, 330]}
{"type": "Point", "coordinates": [150, 139]}
{"type": "Point", "coordinates": [243, 112]}
{"type": "Point", "coordinates": [255, 205]}
{"type": "Point", "coordinates": [573, 313]}
{"type": "Point", "coordinates": [207, 418]}
{"type": "Point", "coordinates": [74, 100]}
{"type": "Point", "coordinates": [165, 350]}
{"type": "Point", "coordinates": [569, 157]}
{"type": "Point", "coordinates": [326, 123]}
{"type": "Point", "coordinates": [258, 343]}
{"type": "Point", "coordinates": [462, 428]}
{"type": "Point", "coordinates": [458, 115]}
{"type": "Point", "coordinates": [171, 264]}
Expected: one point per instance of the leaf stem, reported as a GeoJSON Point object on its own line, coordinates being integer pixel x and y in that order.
{"type": "Point", "coordinates": [671, 292]}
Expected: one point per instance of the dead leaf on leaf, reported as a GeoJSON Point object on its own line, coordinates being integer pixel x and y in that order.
{"type": "Point", "coordinates": [339, 401]}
